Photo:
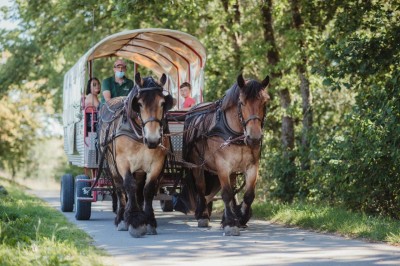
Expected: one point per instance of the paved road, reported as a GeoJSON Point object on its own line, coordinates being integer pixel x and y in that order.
{"type": "Point", "coordinates": [181, 242]}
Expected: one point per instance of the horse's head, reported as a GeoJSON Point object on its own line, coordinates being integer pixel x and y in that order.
{"type": "Point", "coordinates": [253, 98]}
{"type": "Point", "coordinates": [151, 103]}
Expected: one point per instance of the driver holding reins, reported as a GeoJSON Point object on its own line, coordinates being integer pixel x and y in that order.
{"type": "Point", "coordinates": [117, 85]}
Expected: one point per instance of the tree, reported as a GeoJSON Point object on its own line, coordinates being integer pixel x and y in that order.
{"type": "Point", "coordinates": [301, 69]}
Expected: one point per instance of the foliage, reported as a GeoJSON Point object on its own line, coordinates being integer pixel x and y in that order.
{"type": "Point", "coordinates": [361, 162]}
{"type": "Point", "coordinates": [330, 219]}
{"type": "Point", "coordinates": [34, 234]}
{"type": "Point", "coordinates": [348, 49]}
{"type": "Point", "coordinates": [19, 120]}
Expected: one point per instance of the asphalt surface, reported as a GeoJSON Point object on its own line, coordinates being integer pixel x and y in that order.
{"type": "Point", "coordinates": [181, 242]}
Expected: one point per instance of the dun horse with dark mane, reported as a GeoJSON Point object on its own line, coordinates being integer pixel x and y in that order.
{"type": "Point", "coordinates": [224, 138]}
{"type": "Point", "coordinates": [134, 148]}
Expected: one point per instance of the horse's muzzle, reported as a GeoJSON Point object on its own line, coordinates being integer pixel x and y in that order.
{"type": "Point", "coordinates": [252, 142]}
{"type": "Point", "coordinates": [152, 144]}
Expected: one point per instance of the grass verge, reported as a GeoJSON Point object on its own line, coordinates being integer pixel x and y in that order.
{"type": "Point", "coordinates": [332, 220]}
{"type": "Point", "coordinates": [32, 233]}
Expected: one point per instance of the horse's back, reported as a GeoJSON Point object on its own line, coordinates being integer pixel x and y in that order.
{"type": "Point", "coordinates": [198, 121]}
{"type": "Point", "coordinates": [110, 110]}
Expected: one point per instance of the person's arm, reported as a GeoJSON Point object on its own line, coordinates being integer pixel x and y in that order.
{"type": "Point", "coordinates": [88, 100]}
{"type": "Point", "coordinates": [105, 87]}
{"type": "Point", "coordinates": [106, 95]}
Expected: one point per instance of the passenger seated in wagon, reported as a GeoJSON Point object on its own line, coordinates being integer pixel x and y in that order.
{"type": "Point", "coordinates": [185, 91]}
{"type": "Point", "coordinates": [92, 102]}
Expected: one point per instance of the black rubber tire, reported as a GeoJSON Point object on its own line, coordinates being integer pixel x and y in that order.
{"type": "Point", "coordinates": [67, 193]}
{"type": "Point", "coordinates": [166, 205]}
{"type": "Point", "coordinates": [83, 209]}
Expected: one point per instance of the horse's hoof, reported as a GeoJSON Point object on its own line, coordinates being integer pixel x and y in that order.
{"type": "Point", "coordinates": [231, 231]}
{"type": "Point", "coordinates": [122, 226]}
{"type": "Point", "coordinates": [203, 223]}
{"type": "Point", "coordinates": [151, 230]}
{"type": "Point", "coordinates": [137, 232]}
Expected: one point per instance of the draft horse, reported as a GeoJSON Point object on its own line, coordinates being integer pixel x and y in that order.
{"type": "Point", "coordinates": [224, 138]}
{"type": "Point", "coordinates": [134, 148]}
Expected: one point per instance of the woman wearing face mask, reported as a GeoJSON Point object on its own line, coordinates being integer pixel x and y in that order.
{"type": "Point", "coordinates": [117, 85]}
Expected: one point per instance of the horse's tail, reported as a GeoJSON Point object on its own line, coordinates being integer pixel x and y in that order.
{"type": "Point", "coordinates": [186, 200]}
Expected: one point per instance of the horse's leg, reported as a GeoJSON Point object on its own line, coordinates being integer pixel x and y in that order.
{"type": "Point", "coordinates": [134, 216]}
{"type": "Point", "coordinates": [229, 221]}
{"type": "Point", "coordinates": [140, 179]}
{"type": "Point", "coordinates": [248, 197]}
{"type": "Point", "coordinates": [149, 191]}
{"type": "Point", "coordinates": [201, 213]}
{"type": "Point", "coordinates": [234, 203]}
{"type": "Point", "coordinates": [114, 200]}
{"type": "Point", "coordinates": [121, 204]}
{"type": "Point", "coordinates": [119, 219]}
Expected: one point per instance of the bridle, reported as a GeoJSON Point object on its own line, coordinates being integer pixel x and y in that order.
{"type": "Point", "coordinates": [161, 121]}
{"type": "Point", "coordinates": [244, 122]}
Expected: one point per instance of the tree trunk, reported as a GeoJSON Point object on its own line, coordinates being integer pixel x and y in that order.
{"type": "Point", "coordinates": [273, 59]}
{"type": "Point", "coordinates": [235, 37]}
{"type": "Point", "coordinates": [289, 175]}
{"type": "Point", "coordinates": [301, 69]}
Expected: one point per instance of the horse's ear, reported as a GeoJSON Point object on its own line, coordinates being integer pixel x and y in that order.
{"type": "Point", "coordinates": [169, 102]}
{"type": "Point", "coordinates": [163, 79]}
{"type": "Point", "coordinates": [138, 80]}
{"type": "Point", "coordinates": [240, 81]}
{"type": "Point", "coordinates": [265, 82]}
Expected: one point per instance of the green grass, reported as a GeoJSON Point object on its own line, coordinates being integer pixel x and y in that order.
{"type": "Point", "coordinates": [32, 233]}
{"type": "Point", "coordinates": [332, 220]}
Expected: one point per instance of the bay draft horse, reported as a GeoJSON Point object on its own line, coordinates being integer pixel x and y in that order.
{"type": "Point", "coordinates": [135, 149]}
{"type": "Point", "coordinates": [224, 138]}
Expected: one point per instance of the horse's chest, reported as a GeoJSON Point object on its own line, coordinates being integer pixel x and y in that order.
{"type": "Point", "coordinates": [140, 158]}
{"type": "Point", "coordinates": [237, 158]}
{"type": "Point", "coordinates": [146, 157]}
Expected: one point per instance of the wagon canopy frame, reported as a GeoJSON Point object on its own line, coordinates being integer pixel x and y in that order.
{"type": "Point", "coordinates": [177, 54]}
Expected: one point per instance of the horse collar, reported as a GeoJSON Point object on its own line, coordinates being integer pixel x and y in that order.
{"type": "Point", "coordinates": [222, 129]}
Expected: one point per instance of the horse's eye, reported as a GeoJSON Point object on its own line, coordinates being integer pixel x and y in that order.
{"type": "Point", "coordinates": [140, 105]}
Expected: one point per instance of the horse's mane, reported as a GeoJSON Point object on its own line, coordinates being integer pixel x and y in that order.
{"type": "Point", "coordinates": [146, 95]}
{"type": "Point", "coordinates": [155, 88]}
{"type": "Point", "coordinates": [251, 91]}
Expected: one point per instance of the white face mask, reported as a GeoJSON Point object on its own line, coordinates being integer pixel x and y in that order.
{"type": "Point", "coordinates": [119, 74]}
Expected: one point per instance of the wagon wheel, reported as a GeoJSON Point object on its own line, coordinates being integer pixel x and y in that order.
{"type": "Point", "coordinates": [67, 193]}
{"type": "Point", "coordinates": [83, 208]}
